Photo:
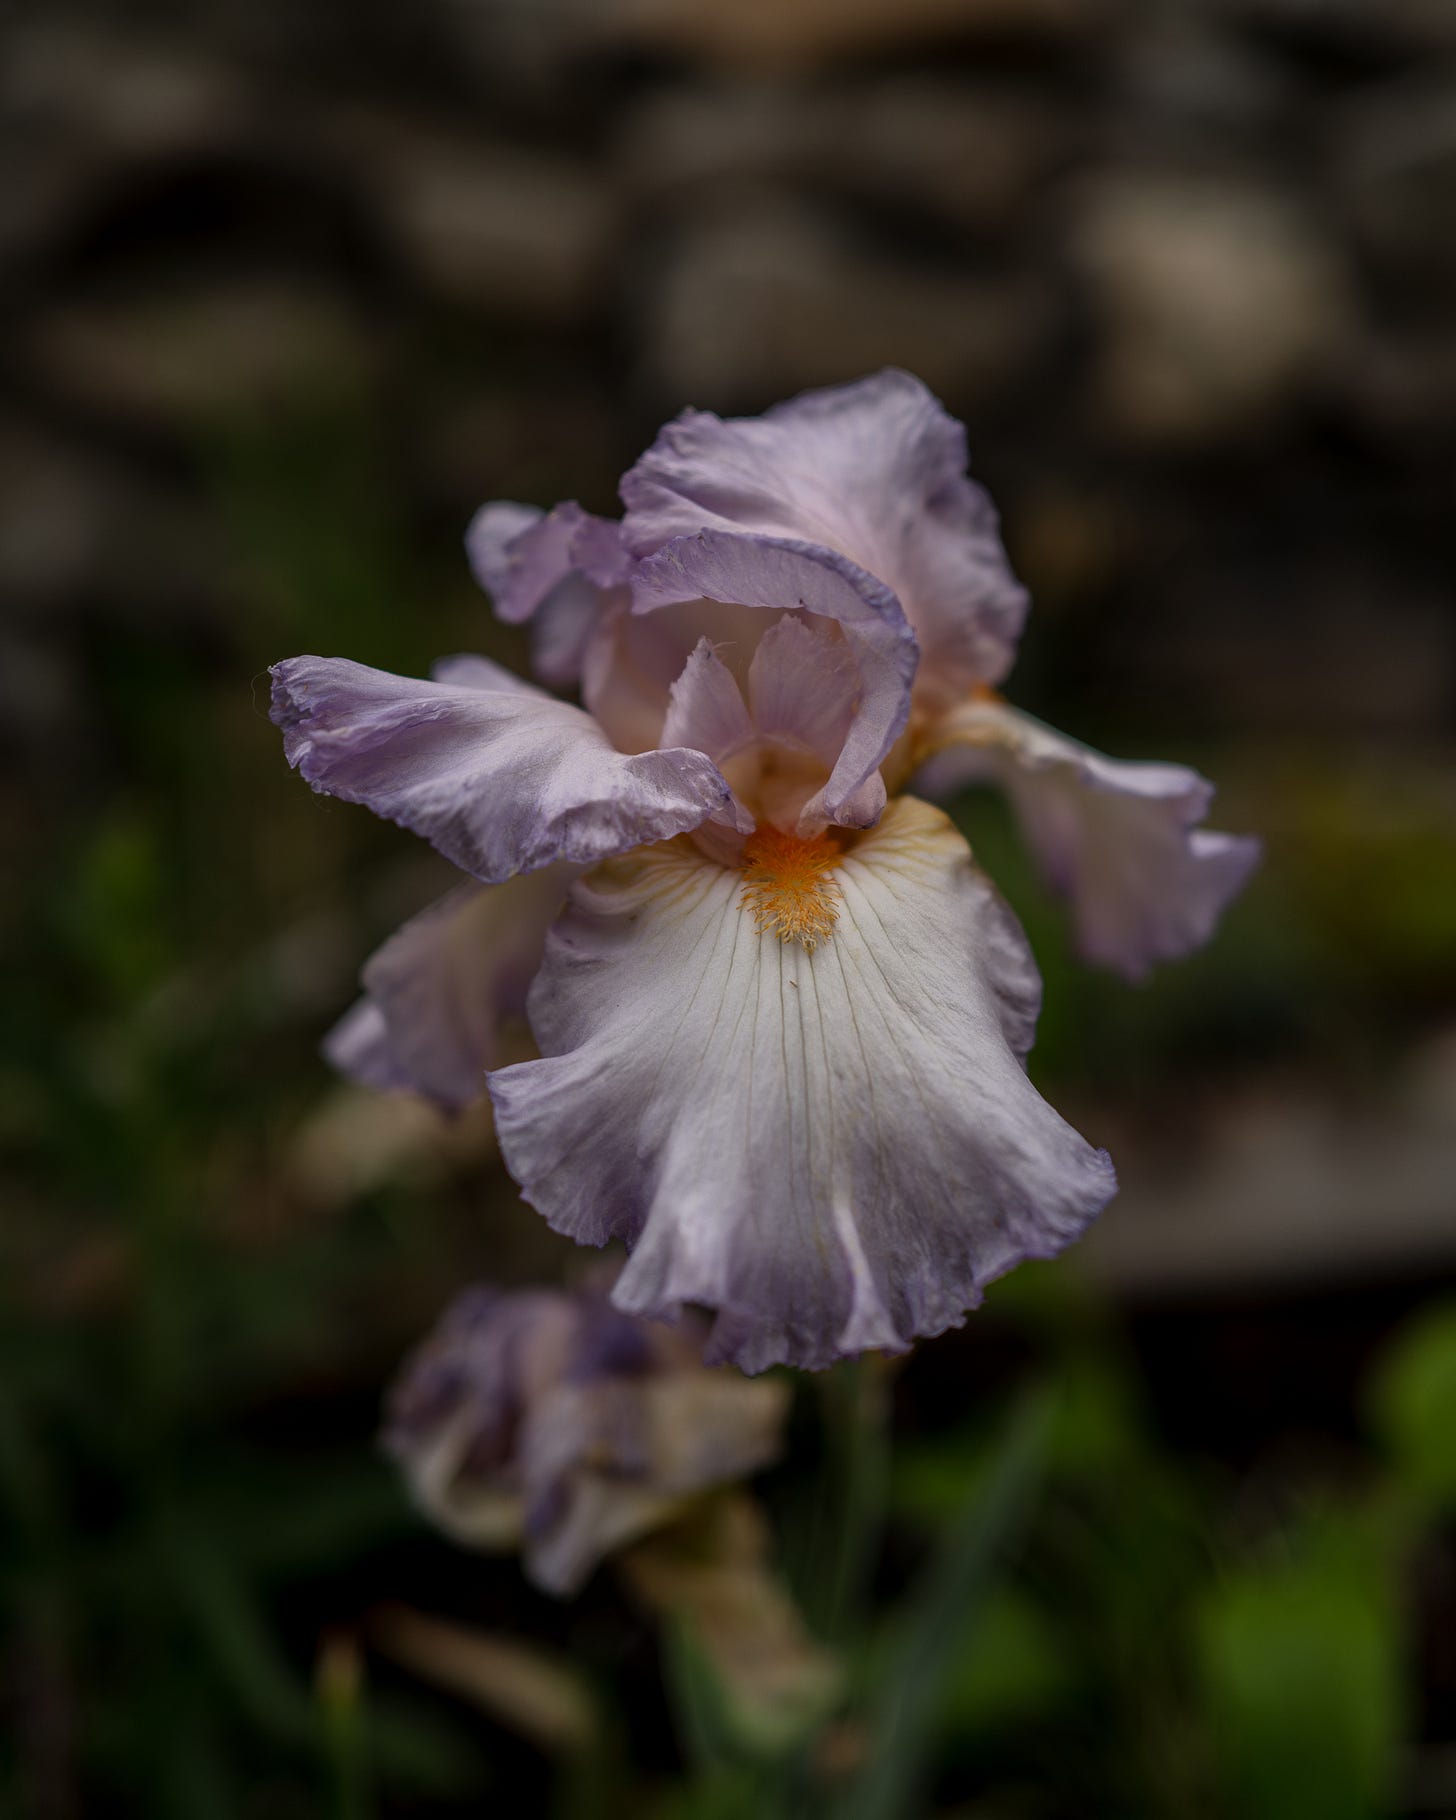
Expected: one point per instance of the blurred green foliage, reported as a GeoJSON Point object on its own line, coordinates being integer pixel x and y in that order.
{"type": "Point", "coordinates": [1412, 1402]}
{"type": "Point", "coordinates": [1299, 1658]}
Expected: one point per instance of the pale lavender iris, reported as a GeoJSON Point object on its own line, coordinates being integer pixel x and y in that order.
{"type": "Point", "coordinates": [549, 1421]}
{"type": "Point", "coordinates": [783, 1016]}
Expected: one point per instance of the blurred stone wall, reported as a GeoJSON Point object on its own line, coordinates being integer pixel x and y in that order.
{"type": "Point", "coordinates": [1188, 271]}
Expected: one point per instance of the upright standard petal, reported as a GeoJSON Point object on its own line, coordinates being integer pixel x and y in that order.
{"type": "Point", "coordinates": [557, 569]}
{"type": "Point", "coordinates": [835, 1147]}
{"type": "Point", "coordinates": [1120, 840]}
{"type": "Point", "coordinates": [443, 990]}
{"type": "Point", "coordinates": [501, 780]}
{"type": "Point", "coordinates": [491, 541]}
{"type": "Point", "coordinates": [632, 660]}
{"type": "Point", "coordinates": [805, 690]}
{"type": "Point", "coordinates": [875, 471]}
{"type": "Point", "coordinates": [775, 574]}
{"type": "Point", "coordinates": [563, 628]}
{"type": "Point", "coordinates": [520, 555]}
{"type": "Point", "coordinates": [706, 710]}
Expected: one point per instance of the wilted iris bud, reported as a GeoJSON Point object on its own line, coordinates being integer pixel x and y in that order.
{"type": "Point", "coordinates": [549, 1420]}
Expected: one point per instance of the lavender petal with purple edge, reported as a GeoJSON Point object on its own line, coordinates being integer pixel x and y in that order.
{"type": "Point", "coordinates": [554, 1422]}
{"type": "Point", "coordinates": [490, 547]}
{"type": "Point", "coordinates": [441, 990]}
{"type": "Point", "coordinates": [834, 1150]}
{"type": "Point", "coordinates": [556, 569]}
{"type": "Point", "coordinates": [775, 574]}
{"type": "Point", "coordinates": [1119, 840]}
{"type": "Point", "coordinates": [519, 555]}
{"type": "Point", "coordinates": [875, 471]}
{"type": "Point", "coordinates": [706, 711]}
{"type": "Point", "coordinates": [500, 779]}
{"type": "Point", "coordinates": [804, 689]}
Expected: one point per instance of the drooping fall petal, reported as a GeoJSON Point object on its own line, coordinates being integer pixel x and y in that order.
{"type": "Point", "coordinates": [441, 991]}
{"type": "Point", "coordinates": [502, 779]}
{"type": "Point", "coordinates": [834, 1149]}
{"type": "Point", "coordinates": [1119, 840]}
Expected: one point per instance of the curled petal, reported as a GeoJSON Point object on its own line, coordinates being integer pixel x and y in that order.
{"type": "Point", "coordinates": [490, 546]}
{"type": "Point", "coordinates": [501, 780]}
{"type": "Point", "coordinates": [467, 671]}
{"type": "Point", "coordinates": [1120, 840]}
{"type": "Point", "coordinates": [775, 574]}
{"type": "Point", "coordinates": [706, 708]}
{"type": "Point", "coordinates": [359, 1046]}
{"type": "Point", "coordinates": [519, 555]}
{"type": "Point", "coordinates": [442, 989]}
{"type": "Point", "coordinates": [563, 628]}
{"type": "Point", "coordinates": [804, 686]}
{"type": "Point", "coordinates": [876, 471]}
{"type": "Point", "coordinates": [454, 1413]}
{"type": "Point", "coordinates": [632, 660]}
{"type": "Point", "coordinates": [835, 1149]}
{"type": "Point", "coordinates": [611, 1460]}
{"type": "Point", "coordinates": [706, 711]}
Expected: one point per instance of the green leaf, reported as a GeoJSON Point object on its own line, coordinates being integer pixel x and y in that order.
{"type": "Point", "coordinates": [942, 1609]}
{"type": "Point", "coordinates": [698, 1702]}
{"type": "Point", "coordinates": [1300, 1662]}
{"type": "Point", "coordinates": [243, 1649]}
{"type": "Point", "coordinates": [726, 1783]}
{"type": "Point", "coordinates": [1411, 1404]}
{"type": "Point", "coordinates": [1011, 1667]}
{"type": "Point", "coordinates": [855, 1487]}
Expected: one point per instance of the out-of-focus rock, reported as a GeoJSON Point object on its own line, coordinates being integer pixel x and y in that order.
{"type": "Point", "coordinates": [1177, 81]}
{"type": "Point", "coordinates": [1400, 382]}
{"type": "Point", "coordinates": [1218, 302]}
{"type": "Point", "coordinates": [1288, 1186]}
{"type": "Point", "coordinates": [490, 227]}
{"type": "Point", "coordinates": [1232, 639]}
{"type": "Point", "coordinates": [39, 696]}
{"type": "Point", "coordinates": [175, 360]}
{"type": "Point", "coordinates": [1359, 30]}
{"type": "Point", "coordinates": [78, 526]}
{"type": "Point", "coordinates": [79, 109]}
{"type": "Point", "coordinates": [55, 513]}
{"type": "Point", "coordinates": [37, 208]}
{"type": "Point", "coordinates": [808, 33]}
{"type": "Point", "coordinates": [968, 153]}
{"type": "Point", "coordinates": [535, 443]}
{"type": "Point", "coordinates": [768, 300]}
{"type": "Point", "coordinates": [121, 91]}
{"type": "Point", "coordinates": [1393, 155]}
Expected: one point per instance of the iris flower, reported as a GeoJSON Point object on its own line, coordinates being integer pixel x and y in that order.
{"type": "Point", "coordinates": [782, 1014]}
{"type": "Point", "coordinates": [546, 1419]}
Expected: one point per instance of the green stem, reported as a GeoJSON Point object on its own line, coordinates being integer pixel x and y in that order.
{"type": "Point", "coordinates": [855, 1491]}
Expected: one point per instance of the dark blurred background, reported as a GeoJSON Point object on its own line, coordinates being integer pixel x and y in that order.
{"type": "Point", "coordinates": [288, 291]}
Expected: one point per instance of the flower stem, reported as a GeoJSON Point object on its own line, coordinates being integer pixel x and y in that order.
{"type": "Point", "coordinates": [854, 1492]}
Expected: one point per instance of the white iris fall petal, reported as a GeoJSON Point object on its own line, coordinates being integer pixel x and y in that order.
{"type": "Point", "coordinates": [782, 1015]}
{"type": "Point", "coordinates": [836, 1147]}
